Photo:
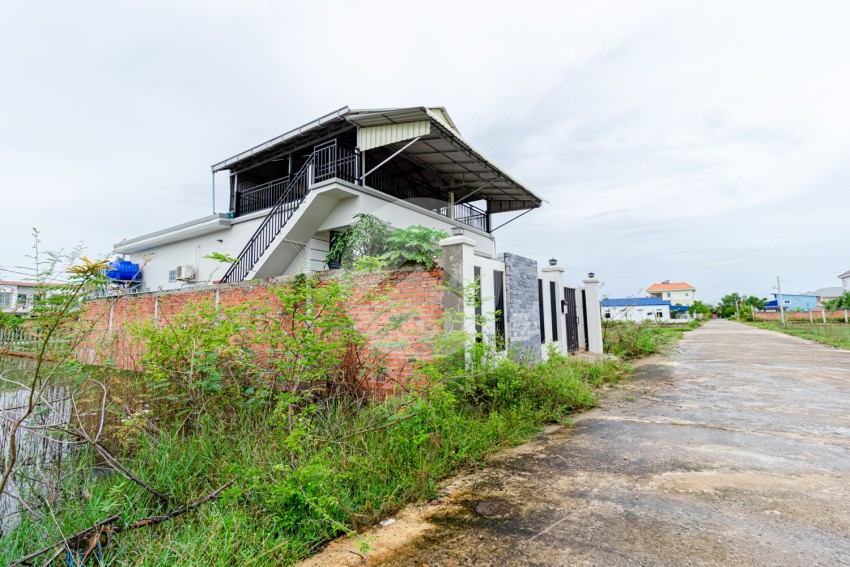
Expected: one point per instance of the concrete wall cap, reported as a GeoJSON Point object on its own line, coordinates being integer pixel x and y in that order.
{"type": "Point", "coordinates": [452, 240]}
{"type": "Point", "coordinates": [552, 269]}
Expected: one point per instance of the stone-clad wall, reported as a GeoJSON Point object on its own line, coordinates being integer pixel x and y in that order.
{"type": "Point", "coordinates": [522, 312]}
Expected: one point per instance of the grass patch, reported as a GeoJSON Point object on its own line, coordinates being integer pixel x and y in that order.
{"type": "Point", "coordinates": [837, 335]}
{"type": "Point", "coordinates": [629, 340]}
{"type": "Point", "coordinates": [335, 466]}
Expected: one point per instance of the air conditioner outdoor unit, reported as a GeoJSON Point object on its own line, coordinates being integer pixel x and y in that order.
{"type": "Point", "coordinates": [185, 273]}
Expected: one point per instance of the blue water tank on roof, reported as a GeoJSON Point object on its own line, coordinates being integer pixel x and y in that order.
{"type": "Point", "coordinates": [123, 271]}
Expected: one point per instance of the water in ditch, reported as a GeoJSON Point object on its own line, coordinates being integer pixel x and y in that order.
{"type": "Point", "coordinates": [40, 454]}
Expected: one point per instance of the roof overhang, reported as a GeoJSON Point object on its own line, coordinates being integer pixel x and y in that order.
{"type": "Point", "coordinates": [458, 165]}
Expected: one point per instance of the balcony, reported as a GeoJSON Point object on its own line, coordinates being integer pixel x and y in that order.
{"type": "Point", "coordinates": [332, 160]}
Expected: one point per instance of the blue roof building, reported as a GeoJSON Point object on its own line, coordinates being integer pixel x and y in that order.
{"type": "Point", "coordinates": [793, 302]}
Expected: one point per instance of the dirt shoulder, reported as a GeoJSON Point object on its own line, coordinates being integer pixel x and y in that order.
{"type": "Point", "coordinates": [466, 494]}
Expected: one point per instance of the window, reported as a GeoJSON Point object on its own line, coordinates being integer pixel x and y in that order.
{"type": "Point", "coordinates": [540, 307]}
{"type": "Point", "coordinates": [172, 276]}
{"type": "Point", "coordinates": [687, 294]}
{"type": "Point", "coordinates": [607, 314]}
{"type": "Point", "coordinates": [668, 294]}
{"type": "Point", "coordinates": [499, 300]}
{"type": "Point", "coordinates": [5, 299]}
{"type": "Point", "coordinates": [553, 302]}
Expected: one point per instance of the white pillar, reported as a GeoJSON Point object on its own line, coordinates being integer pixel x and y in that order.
{"type": "Point", "coordinates": [594, 315]}
{"type": "Point", "coordinates": [554, 274]}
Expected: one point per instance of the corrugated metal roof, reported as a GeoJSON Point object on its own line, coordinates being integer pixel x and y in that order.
{"type": "Point", "coordinates": [635, 302]}
{"type": "Point", "coordinates": [441, 150]}
{"type": "Point", "coordinates": [385, 134]}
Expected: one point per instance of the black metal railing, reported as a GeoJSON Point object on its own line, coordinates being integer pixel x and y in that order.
{"type": "Point", "coordinates": [271, 226]}
{"type": "Point", "coordinates": [261, 197]}
{"type": "Point", "coordinates": [413, 191]}
{"type": "Point", "coordinates": [471, 215]}
{"type": "Point", "coordinates": [331, 160]}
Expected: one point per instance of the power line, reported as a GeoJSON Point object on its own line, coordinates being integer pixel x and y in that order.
{"type": "Point", "coordinates": [835, 264]}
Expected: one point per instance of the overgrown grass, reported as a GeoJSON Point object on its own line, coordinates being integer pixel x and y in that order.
{"type": "Point", "coordinates": [837, 334]}
{"type": "Point", "coordinates": [628, 340]}
{"type": "Point", "coordinates": [337, 466]}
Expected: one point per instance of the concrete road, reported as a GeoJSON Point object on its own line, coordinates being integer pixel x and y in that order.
{"type": "Point", "coordinates": [733, 451]}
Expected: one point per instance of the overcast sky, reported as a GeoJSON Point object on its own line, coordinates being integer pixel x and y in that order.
{"type": "Point", "coordinates": [698, 141]}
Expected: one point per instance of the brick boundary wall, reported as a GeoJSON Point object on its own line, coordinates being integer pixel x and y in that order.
{"type": "Point", "coordinates": [417, 292]}
{"type": "Point", "coordinates": [817, 315]}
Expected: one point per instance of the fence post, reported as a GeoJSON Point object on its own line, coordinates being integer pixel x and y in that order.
{"type": "Point", "coordinates": [845, 317]}
{"type": "Point", "coordinates": [824, 315]}
{"type": "Point", "coordinates": [458, 260]}
{"type": "Point", "coordinates": [594, 315]}
{"type": "Point", "coordinates": [109, 325]}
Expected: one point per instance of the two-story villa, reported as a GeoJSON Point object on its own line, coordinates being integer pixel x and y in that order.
{"type": "Point", "coordinates": [16, 297]}
{"type": "Point", "coordinates": [289, 195]}
{"type": "Point", "coordinates": [677, 293]}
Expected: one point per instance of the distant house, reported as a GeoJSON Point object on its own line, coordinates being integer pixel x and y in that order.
{"type": "Point", "coordinates": [16, 297]}
{"type": "Point", "coordinates": [845, 280]}
{"type": "Point", "coordinates": [636, 309]}
{"type": "Point", "coordinates": [793, 302]}
{"type": "Point", "coordinates": [826, 293]}
{"type": "Point", "coordinates": [677, 293]}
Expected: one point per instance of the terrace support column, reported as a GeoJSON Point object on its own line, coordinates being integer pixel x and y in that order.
{"type": "Point", "coordinates": [594, 315]}
{"type": "Point", "coordinates": [459, 271]}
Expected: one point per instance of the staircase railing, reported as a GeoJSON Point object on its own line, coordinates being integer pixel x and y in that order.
{"type": "Point", "coordinates": [293, 195]}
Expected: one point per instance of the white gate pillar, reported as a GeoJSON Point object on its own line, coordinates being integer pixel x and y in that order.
{"type": "Point", "coordinates": [594, 314]}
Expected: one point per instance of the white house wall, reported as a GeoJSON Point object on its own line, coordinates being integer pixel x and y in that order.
{"type": "Point", "coordinates": [677, 297]}
{"type": "Point", "coordinates": [639, 313]}
{"type": "Point", "coordinates": [301, 246]}
{"type": "Point", "coordinates": [398, 213]}
{"type": "Point", "coordinates": [163, 258]}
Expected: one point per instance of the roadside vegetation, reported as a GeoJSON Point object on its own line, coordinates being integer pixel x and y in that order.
{"type": "Point", "coordinates": [833, 334]}
{"type": "Point", "coordinates": [288, 444]}
{"type": "Point", "coordinates": [250, 437]}
{"type": "Point", "coordinates": [628, 340]}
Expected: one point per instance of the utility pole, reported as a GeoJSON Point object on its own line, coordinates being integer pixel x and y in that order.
{"type": "Point", "coordinates": [781, 304]}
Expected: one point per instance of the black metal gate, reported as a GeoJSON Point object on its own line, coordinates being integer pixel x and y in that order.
{"type": "Point", "coordinates": [571, 318]}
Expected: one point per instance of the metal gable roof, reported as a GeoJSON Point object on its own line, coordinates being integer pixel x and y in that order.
{"type": "Point", "coordinates": [443, 150]}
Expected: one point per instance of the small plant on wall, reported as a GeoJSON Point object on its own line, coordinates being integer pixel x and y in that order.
{"type": "Point", "coordinates": [371, 244]}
